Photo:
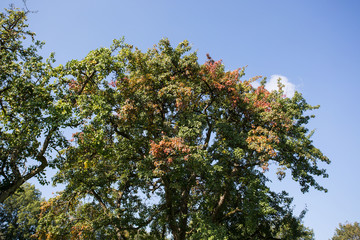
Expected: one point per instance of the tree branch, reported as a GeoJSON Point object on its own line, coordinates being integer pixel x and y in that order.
{"type": "Point", "coordinates": [98, 198]}
{"type": "Point", "coordinates": [208, 134]}
{"type": "Point", "coordinates": [4, 89]}
{"type": "Point", "coordinates": [88, 78]}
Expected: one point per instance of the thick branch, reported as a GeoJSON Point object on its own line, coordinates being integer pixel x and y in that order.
{"type": "Point", "coordinates": [88, 79]}
{"type": "Point", "coordinates": [4, 89]}
{"type": "Point", "coordinates": [208, 134]}
{"type": "Point", "coordinates": [170, 208]}
{"type": "Point", "coordinates": [47, 141]}
{"type": "Point", "coordinates": [19, 179]}
{"type": "Point", "coordinates": [217, 210]}
{"type": "Point", "coordinates": [184, 207]}
{"type": "Point", "coordinates": [98, 198]}
{"type": "Point", "coordinates": [216, 215]}
{"type": "Point", "coordinates": [121, 133]}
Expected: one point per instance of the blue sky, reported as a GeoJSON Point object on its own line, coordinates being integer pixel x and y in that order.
{"type": "Point", "coordinates": [314, 44]}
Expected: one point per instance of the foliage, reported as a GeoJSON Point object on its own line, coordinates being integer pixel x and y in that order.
{"type": "Point", "coordinates": [19, 214]}
{"type": "Point", "coordinates": [177, 149]}
{"type": "Point", "coordinates": [295, 230]}
{"type": "Point", "coordinates": [347, 231]}
{"type": "Point", "coordinates": [30, 114]}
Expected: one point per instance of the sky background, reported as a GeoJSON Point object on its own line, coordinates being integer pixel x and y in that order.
{"type": "Point", "coordinates": [315, 45]}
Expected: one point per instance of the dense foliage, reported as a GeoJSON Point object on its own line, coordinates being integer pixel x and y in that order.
{"type": "Point", "coordinates": [19, 214]}
{"type": "Point", "coordinates": [164, 147]}
{"type": "Point", "coordinates": [347, 231]}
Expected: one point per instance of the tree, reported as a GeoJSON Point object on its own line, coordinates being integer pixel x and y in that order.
{"type": "Point", "coordinates": [31, 112]}
{"type": "Point", "coordinates": [347, 231]}
{"type": "Point", "coordinates": [19, 214]}
{"type": "Point", "coordinates": [178, 148]}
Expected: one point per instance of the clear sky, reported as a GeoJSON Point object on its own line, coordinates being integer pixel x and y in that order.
{"type": "Point", "coordinates": [314, 44]}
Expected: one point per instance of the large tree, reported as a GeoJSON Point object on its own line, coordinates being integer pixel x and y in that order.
{"type": "Point", "coordinates": [178, 149]}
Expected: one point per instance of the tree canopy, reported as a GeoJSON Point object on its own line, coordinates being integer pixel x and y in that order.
{"type": "Point", "coordinates": [348, 231]}
{"type": "Point", "coordinates": [163, 146]}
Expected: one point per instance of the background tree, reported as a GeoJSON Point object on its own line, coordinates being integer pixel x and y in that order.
{"type": "Point", "coordinates": [181, 148]}
{"type": "Point", "coordinates": [347, 231]}
{"type": "Point", "coordinates": [31, 113]}
{"type": "Point", "coordinates": [19, 214]}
